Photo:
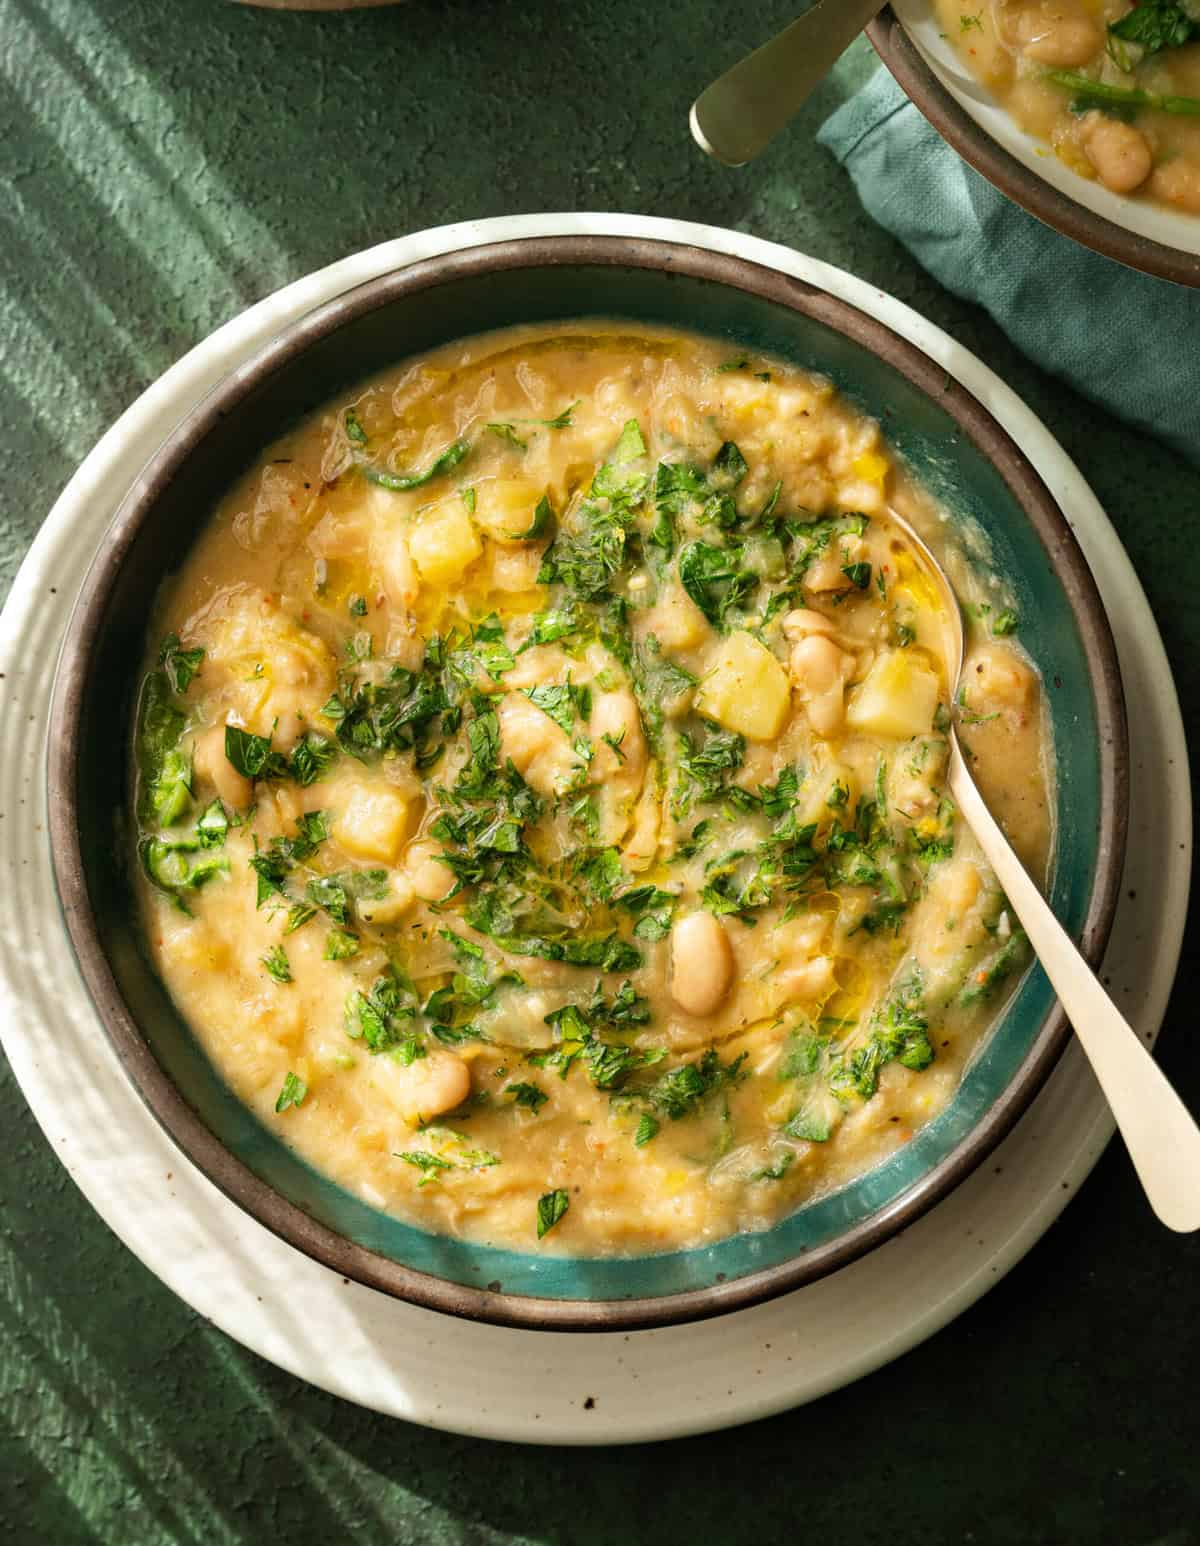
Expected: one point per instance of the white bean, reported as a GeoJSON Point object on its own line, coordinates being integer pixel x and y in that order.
{"type": "Point", "coordinates": [430, 1086]}
{"type": "Point", "coordinates": [1178, 182]}
{"type": "Point", "coordinates": [1059, 41]}
{"type": "Point", "coordinates": [1120, 154]}
{"type": "Point", "coordinates": [820, 670]}
{"type": "Point", "coordinates": [804, 621]}
{"type": "Point", "coordinates": [536, 745]}
{"type": "Point", "coordinates": [701, 964]}
{"type": "Point", "coordinates": [615, 714]}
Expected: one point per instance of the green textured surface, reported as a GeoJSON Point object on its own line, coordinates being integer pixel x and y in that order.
{"type": "Point", "coordinates": [162, 163]}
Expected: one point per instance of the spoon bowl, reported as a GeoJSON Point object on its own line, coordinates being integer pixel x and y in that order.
{"type": "Point", "coordinates": [741, 113]}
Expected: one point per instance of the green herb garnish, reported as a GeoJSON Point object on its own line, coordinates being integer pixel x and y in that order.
{"type": "Point", "coordinates": [292, 1094]}
{"type": "Point", "coordinates": [551, 1207]}
{"type": "Point", "coordinates": [444, 462]}
{"type": "Point", "coordinates": [508, 433]}
{"type": "Point", "coordinates": [647, 1128]}
{"type": "Point", "coordinates": [180, 665]}
{"type": "Point", "coordinates": [277, 964]}
{"type": "Point", "coordinates": [540, 522]}
{"type": "Point", "coordinates": [528, 1095]}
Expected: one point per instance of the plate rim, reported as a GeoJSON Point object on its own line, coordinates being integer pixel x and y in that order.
{"type": "Point", "coordinates": [170, 1106]}
{"type": "Point", "coordinates": [923, 86]}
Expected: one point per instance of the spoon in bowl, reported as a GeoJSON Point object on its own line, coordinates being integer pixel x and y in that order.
{"type": "Point", "coordinates": [742, 111]}
{"type": "Point", "coordinates": [1162, 1138]}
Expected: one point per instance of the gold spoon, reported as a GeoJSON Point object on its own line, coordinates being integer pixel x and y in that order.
{"type": "Point", "coordinates": [745, 109]}
{"type": "Point", "coordinates": [1162, 1138]}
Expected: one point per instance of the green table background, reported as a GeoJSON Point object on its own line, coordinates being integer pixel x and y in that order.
{"type": "Point", "coordinates": [162, 164]}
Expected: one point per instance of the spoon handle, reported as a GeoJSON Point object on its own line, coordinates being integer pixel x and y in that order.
{"type": "Point", "coordinates": [742, 111]}
{"type": "Point", "coordinates": [1161, 1136]}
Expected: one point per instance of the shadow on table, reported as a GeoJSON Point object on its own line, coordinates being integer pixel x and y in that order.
{"type": "Point", "coordinates": [155, 179]}
{"type": "Point", "coordinates": [1046, 1416]}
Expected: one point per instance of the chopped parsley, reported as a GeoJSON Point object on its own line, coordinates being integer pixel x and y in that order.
{"type": "Point", "coordinates": [563, 420]}
{"type": "Point", "coordinates": [451, 1153]}
{"type": "Point", "coordinates": [899, 1032]}
{"type": "Point", "coordinates": [550, 1209]}
{"type": "Point", "coordinates": [679, 1092]}
{"type": "Point", "coordinates": [340, 945]}
{"type": "Point", "coordinates": [429, 1164]}
{"type": "Point", "coordinates": [384, 1019]}
{"type": "Point", "coordinates": [292, 1094]}
{"type": "Point", "coordinates": [180, 665]}
{"type": "Point", "coordinates": [251, 755]}
{"type": "Point", "coordinates": [647, 1128]}
{"type": "Point", "coordinates": [507, 432]}
{"type": "Point", "coordinates": [531, 1096]}
{"type": "Point", "coordinates": [578, 1026]}
{"type": "Point", "coordinates": [540, 522]}
{"type": "Point", "coordinates": [276, 963]}
{"type": "Point", "coordinates": [716, 579]}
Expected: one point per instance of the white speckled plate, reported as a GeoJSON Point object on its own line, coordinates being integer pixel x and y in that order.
{"type": "Point", "coordinates": [540, 1386]}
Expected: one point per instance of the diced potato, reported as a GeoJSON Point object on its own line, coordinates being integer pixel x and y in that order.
{"type": "Point", "coordinates": [444, 542]}
{"type": "Point", "coordinates": [676, 621]}
{"type": "Point", "coordinates": [372, 824]}
{"type": "Point", "coordinates": [747, 690]}
{"type": "Point", "coordinates": [897, 698]}
{"type": "Point", "coordinates": [504, 507]}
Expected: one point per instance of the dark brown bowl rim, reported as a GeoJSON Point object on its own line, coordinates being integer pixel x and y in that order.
{"type": "Point", "coordinates": [166, 1102]}
{"type": "Point", "coordinates": [1041, 199]}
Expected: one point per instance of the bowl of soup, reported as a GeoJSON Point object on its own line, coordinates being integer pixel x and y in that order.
{"type": "Point", "coordinates": [498, 783]}
{"type": "Point", "coordinates": [1085, 112]}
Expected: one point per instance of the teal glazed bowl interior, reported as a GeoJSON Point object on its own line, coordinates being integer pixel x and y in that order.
{"type": "Point", "coordinates": [951, 443]}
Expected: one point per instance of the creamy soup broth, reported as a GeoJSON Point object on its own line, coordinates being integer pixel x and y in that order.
{"type": "Point", "coordinates": [1095, 80]}
{"type": "Point", "coordinates": [540, 795]}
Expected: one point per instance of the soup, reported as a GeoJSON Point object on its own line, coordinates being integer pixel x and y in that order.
{"type": "Point", "coordinates": [540, 792]}
{"type": "Point", "coordinates": [1112, 86]}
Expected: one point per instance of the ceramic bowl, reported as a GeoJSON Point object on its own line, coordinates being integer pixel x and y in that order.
{"type": "Point", "coordinates": [953, 444]}
{"type": "Point", "coordinates": [909, 39]}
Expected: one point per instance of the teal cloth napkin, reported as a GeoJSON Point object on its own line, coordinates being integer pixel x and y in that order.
{"type": "Point", "coordinates": [1129, 342]}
